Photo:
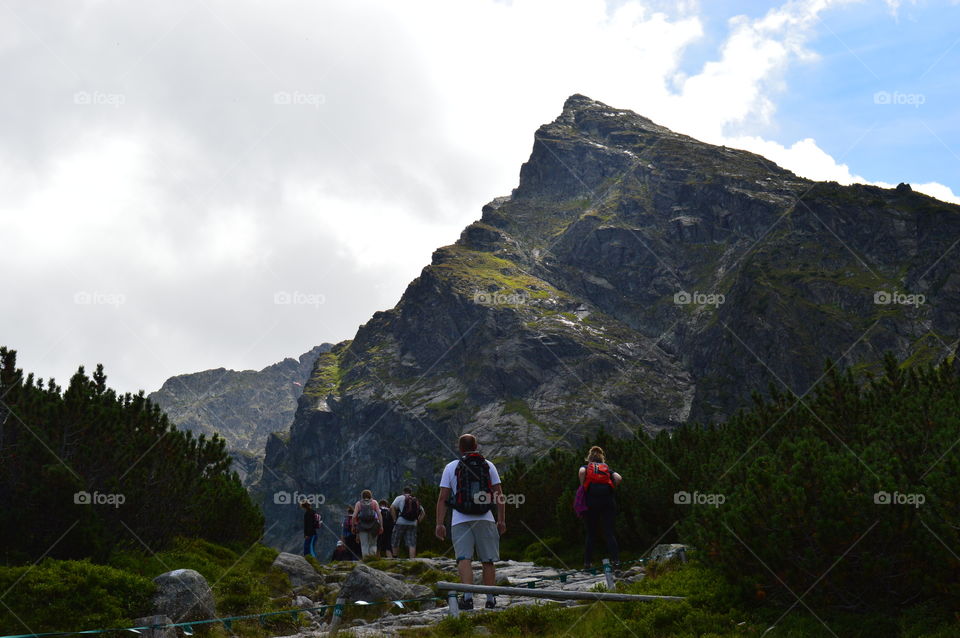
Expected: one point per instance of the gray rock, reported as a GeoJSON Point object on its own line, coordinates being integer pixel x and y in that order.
{"type": "Point", "coordinates": [166, 632]}
{"type": "Point", "coordinates": [301, 572]}
{"type": "Point", "coordinates": [303, 602]}
{"type": "Point", "coordinates": [183, 595]}
{"type": "Point", "coordinates": [366, 583]}
{"type": "Point", "coordinates": [422, 591]}
{"type": "Point", "coordinates": [244, 407]}
{"type": "Point", "coordinates": [668, 551]}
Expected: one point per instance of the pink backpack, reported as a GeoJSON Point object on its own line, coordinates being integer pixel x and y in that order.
{"type": "Point", "coordinates": [580, 502]}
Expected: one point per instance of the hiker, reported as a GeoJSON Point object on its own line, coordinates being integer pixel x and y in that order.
{"type": "Point", "coordinates": [349, 538]}
{"type": "Point", "coordinates": [311, 526]}
{"type": "Point", "coordinates": [408, 512]}
{"type": "Point", "coordinates": [599, 483]}
{"type": "Point", "coordinates": [471, 486]}
{"type": "Point", "coordinates": [340, 552]}
{"type": "Point", "coordinates": [366, 523]}
{"type": "Point", "coordinates": [383, 541]}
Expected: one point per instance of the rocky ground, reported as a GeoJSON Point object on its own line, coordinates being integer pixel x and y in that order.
{"type": "Point", "coordinates": [388, 580]}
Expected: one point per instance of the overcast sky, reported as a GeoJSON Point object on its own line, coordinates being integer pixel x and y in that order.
{"type": "Point", "coordinates": [203, 183]}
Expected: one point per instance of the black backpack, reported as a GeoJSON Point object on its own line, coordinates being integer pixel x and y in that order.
{"type": "Point", "coordinates": [411, 508]}
{"type": "Point", "coordinates": [473, 495]}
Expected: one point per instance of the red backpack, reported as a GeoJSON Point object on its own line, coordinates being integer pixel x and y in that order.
{"type": "Point", "coordinates": [597, 473]}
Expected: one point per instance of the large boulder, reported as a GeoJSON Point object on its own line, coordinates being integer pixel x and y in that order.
{"type": "Point", "coordinates": [300, 571]}
{"type": "Point", "coordinates": [366, 583]}
{"type": "Point", "coordinates": [183, 595]}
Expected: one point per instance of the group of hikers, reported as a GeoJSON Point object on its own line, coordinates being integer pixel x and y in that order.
{"type": "Point", "coordinates": [470, 486]}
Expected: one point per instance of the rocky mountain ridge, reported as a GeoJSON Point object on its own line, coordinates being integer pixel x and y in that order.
{"type": "Point", "coordinates": [244, 407]}
{"type": "Point", "coordinates": [636, 279]}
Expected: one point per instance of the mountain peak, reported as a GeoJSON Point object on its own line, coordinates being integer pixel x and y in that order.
{"type": "Point", "coordinates": [578, 101]}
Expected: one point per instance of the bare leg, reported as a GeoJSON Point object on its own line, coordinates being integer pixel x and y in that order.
{"type": "Point", "coordinates": [465, 568]}
{"type": "Point", "coordinates": [413, 552]}
{"type": "Point", "coordinates": [489, 574]}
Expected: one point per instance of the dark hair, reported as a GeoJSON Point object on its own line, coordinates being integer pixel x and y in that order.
{"type": "Point", "coordinates": [305, 504]}
{"type": "Point", "coordinates": [408, 490]}
{"type": "Point", "coordinates": [366, 494]}
{"type": "Point", "coordinates": [383, 502]}
{"type": "Point", "coordinates": [468, 443]}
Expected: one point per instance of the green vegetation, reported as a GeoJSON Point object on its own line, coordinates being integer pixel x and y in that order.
{"type": "Point", "coordinates": [475, 270]}
{"type": "Point", "coordinates": [713, 608]}
{"type": "Point", "coordinates": [442, 410]}
{"type": "Point", "coordinates": [326, 375]}
{"type": "Point", "coordinates": [109, 470]}
{"type": "Point", "coordinates": [110, 495]}
{"type": "Point", "coordinates": [70, 595]}
{"type": "Point", "coordinates": [56, 595]}
{"type": "Point", "coordinates": [850, 494]}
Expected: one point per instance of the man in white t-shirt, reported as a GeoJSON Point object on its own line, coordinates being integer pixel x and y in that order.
{"type": "Point", "coordinates": [473, 532]}
{"type": "Point", "coordinates": [405, 529]}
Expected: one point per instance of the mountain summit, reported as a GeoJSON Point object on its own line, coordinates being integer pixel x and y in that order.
{"type": "Point", "coordinates": [636, 279]}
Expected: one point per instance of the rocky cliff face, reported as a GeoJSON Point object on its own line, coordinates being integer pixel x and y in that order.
{"type": "Point", "coordinates": [636, 279]}
{"type": "Point", "coordinates": [243, 407]}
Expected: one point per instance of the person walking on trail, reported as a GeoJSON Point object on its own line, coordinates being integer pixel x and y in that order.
{"type": "Point", "coordinates": [599, 484]}
{"type": "Point", "coordinates": [471, 486]}
{"type": "Point", "coordinates": [383, 541]}
{"type": "Point", "coordinates": [311, 526]}
{"type": "Point", "coordinates": [366, 523]}
{"type": "Point", "coordinates": [407, 511]}
{"type": "Point", "coordinates": [348, 536]}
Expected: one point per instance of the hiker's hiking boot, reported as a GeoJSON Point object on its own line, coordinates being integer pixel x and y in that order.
{"type": "Point", "coordinates": [491, 603]}
{"type": "Point", "coordinates": [465, 603]}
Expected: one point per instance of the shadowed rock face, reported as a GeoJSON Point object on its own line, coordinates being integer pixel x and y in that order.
{"type": "Point", "coordinates": [244, 407]}
{"type": "Point", "coordinates": [636, 279]}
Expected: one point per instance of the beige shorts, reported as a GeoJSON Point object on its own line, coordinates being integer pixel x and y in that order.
{"type": "Point", "coordinates": [481, 537]}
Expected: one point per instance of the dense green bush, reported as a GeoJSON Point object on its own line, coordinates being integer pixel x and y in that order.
{"type": "Point", "coordinates": [798, 481]}
{"type": "Point", "coordinates": [59, 595]}
{"type": "Point", "coordinates": [153, 482]}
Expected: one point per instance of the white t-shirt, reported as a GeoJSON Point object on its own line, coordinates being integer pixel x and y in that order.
{"type": "Point", "coordinates": [449, 479]}
{"type": "Point", "coordinates": [398, 503]}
